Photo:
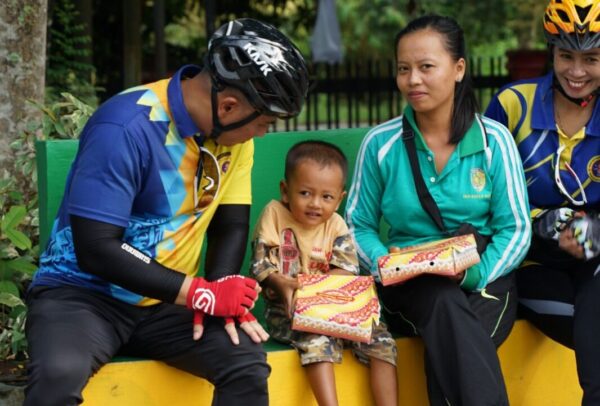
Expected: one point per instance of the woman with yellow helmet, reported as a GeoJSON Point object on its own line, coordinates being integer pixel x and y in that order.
{"type": "Point", "coordinates": [555, 120]}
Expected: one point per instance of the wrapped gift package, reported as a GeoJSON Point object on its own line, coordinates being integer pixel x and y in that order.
{"type": "Point", "coordinates": [336, 305]}
{"type": "Point", "coordinates": [443, 257]}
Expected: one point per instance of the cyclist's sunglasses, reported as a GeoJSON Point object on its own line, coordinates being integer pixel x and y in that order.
{"type": "Point", "coordinates": [207, 179]}
{"type": "Point", "coordinates": [561, 186]}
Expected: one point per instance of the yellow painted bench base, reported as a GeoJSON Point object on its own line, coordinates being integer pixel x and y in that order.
{"type": "Point", "coordinates": [537, 372]}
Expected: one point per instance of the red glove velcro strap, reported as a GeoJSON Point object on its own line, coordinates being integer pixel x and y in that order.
{"type": "Point", "coordinates": [229, 296]}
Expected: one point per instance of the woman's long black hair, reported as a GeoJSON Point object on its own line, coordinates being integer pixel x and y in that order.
{"type": "Point", "coordinates": [465, 104]}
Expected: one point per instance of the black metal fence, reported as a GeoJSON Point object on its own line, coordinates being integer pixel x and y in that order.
{"type": "Point", "coordinates": [361, 94]}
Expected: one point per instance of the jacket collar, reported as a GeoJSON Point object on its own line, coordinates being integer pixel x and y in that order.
{"type": "Point", "coordinates": [472, 142]}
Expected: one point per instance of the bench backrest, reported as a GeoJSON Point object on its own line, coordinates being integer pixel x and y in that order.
{"type": "Point", "coordinates": [54, 158]}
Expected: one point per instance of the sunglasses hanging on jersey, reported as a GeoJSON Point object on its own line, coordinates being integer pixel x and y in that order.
{"type": "Point", "coordinates": [207, 180]}
{"type": "Point", "coordinates": [561, 186]}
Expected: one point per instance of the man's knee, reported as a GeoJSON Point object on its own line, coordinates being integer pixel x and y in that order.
{"type": "Point", "coordinates": [57, 380]}
{"type": "Point", "coordinates": [243, 378]}
{"type": "Point", "coordinates": [249, 365]}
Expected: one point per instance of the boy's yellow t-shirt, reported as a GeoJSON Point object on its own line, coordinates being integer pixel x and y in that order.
{"type": "Point", "coordinates": [281, 244]}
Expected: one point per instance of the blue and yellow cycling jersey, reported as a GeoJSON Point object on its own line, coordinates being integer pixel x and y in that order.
{"type": "Point", "coordinates": [527, 109]}
{"type": "Point", "coordinates": [136, 168]}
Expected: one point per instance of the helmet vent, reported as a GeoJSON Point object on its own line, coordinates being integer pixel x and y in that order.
{"type": "Point", "coordinates": [261, 85]}
{"type": "Point", "coordinates": [582, 12]}
{"type": "Point", "coordinates": [564, 17]}
{"type": "Point", "coordinates": [243, 60]}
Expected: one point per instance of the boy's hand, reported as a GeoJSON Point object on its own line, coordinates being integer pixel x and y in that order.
{"type": "Point", "coordinates": [284, 286]}
{"type": "Point", "coordinates": [340, 271]}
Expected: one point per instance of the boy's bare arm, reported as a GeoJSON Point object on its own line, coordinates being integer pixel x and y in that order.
{"type": "Point", "coordinates": [285, 287]}
{"type": "Point", "coordinates": [340, 271]}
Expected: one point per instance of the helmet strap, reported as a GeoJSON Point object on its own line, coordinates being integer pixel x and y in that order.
{"type": "Point", "coordinates": [218, 128]}
{"type": "Point", "coordinates": [580, 101]}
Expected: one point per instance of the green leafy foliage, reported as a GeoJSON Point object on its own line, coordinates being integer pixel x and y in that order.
{"type": "Point", "coordinates": [69, 71]}
{"type": "Point", "coordinates": [524, 19]}
{"type": "Point", "coordinates": [187, 30]}
{"type": "Point", "coordinates": [9, 224]}
{"type": "Point", "coordinates": [64, 118]}
{"type": "Point", "coordinates": [370, 27]}
{"type": "Point", "coordinates": [69, 66]}
{"type": "Point", "coordinates": [19, 221]}
{"type": "Point", "coordinates": [17, 256]}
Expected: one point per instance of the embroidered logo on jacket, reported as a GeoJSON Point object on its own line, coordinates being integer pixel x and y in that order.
{"type": "Point", "coordinates": [593, 168]}
{"type": "Point", "coordinates": [477, 179]}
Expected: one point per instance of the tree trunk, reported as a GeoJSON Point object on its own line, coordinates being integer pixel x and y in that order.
{"type": "Point", "coordinates": [22, 68]}
{"type": "Point", "coordinates": [160, 49]}
{"type": "Point", "coordinates": [132, 43]}
{"type": "Point", "coordinates": [85, 17]}
{"type": "Point", "coordinates": [210, 16]}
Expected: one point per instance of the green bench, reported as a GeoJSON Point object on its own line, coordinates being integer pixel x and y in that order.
{"type": "Point", "coordinates": [537, 371]}
{"type": "Point", "coordinates": [54, 159]}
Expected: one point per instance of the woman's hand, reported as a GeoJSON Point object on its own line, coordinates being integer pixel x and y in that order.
{"type": "Point", "coordinates": [284, 286]}
{"type": "Point", "coordinates": [457, 277]}
{"type": "Point", "coordinates": [568, 243]}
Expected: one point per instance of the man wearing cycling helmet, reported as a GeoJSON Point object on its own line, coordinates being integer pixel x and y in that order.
{"type": "Point", "coordinates": [556, 123]}
{"type": "Point", "coordinates": [160, 166]}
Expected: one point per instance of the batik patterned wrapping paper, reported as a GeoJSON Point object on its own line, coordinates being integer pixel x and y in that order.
{"type": "Point", "coordinates": [336, 305]}
{"type": "Point", "coordinates": [443, 257]}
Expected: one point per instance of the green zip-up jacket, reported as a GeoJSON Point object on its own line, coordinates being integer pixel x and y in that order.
{"type": "Point", "coordinates": [482, 184]}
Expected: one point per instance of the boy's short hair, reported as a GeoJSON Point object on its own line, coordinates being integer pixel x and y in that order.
{"type": "Point", "coordinates": [321, 152]}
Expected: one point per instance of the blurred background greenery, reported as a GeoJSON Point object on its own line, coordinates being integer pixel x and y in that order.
{"type": "Point", "coordinates": [95, 49]}
{"type": "Point", "coordinates": [95, 30]}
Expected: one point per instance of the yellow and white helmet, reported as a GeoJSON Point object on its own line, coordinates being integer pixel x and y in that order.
{"type": "Point", "coordinates": [573, 24]}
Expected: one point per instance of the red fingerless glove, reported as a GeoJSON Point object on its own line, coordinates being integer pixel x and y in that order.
{"type": "Point", "coordinates": [230, 296]}
{"type": "Point", "coordinates": [242, 319]}
{"type": "Point", "coordinates": [198, 318]}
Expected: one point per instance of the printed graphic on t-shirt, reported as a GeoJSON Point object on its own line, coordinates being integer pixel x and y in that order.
{"type": "Point", "coordinates": [289, 254]}
{"type": "Point", "coordinates": [319, 260]}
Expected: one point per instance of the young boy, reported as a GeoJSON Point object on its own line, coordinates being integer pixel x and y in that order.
{"type": "Point", "coordinates": [302, 233]}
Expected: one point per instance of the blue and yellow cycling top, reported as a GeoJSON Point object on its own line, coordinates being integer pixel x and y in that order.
{"type": "Point", "coordinates": [526, 108]}
{"type": "Point", "coordinates": [135, 168]}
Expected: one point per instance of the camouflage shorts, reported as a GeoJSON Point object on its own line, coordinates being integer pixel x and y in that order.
{"type": "Point", "coordinates": [318, 348]}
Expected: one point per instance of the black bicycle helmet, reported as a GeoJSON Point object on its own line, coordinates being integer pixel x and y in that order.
{"type": "Point", "coordinates": [262, 63]}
